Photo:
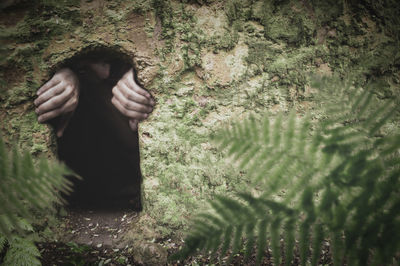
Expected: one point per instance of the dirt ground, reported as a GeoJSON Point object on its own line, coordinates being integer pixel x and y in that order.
{"type": "Point", "coordinates": [97, 227]}
{"type": "Point", "coordinates": [87, 237]}
{"type": "Point", "coordinates": [97, 237]}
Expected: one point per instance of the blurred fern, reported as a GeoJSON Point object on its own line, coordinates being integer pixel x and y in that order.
{"type": "Point", "coordinates": [25, 190]}
{"type": "Point", "coordinates": [20, 248]}
{"type": "Point", "coordinates": [337, 180]}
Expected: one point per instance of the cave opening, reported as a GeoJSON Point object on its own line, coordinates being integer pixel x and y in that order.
{"type": "Point", "coordinates": [98, 143]}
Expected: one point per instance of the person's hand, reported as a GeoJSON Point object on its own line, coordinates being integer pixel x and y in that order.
{"type": "Point", "coordinates": [58, 97]}
{"type": "Point", "coordinates": [131, 100]}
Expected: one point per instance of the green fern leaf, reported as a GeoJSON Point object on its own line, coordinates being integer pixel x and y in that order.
{"type": "Point", "coordinates": [3, 242]}
{"type": "Point", "coordinates": [249, 232]}
{"type": "Point", "coordinates": [275, 240]}
{"type": "Point", "coordinates": [22, 252]}
{"type": "Point", "coordinates": [4, 168]}
{"type": "Point", "coordinates": [337, 248]}
{"type": "Point", "coordinates": [237, 241]}
{"type": "Point", "coordinates": [227, 240]}
{"type": "Point", "coordinates": [304, 242]}
{"type": "Point", "coordinates": [318, 237]}
{"type": "Point", "coordinates": [266, 130]}
{"type": "Point", "coordinates": [289, 241]}
{"type": "Point", "coordinates": [261, 240]}
{"type": "Point", "coordinates": [24, 189]}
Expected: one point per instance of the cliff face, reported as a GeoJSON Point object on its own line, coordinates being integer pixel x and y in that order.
{"type": "Point", "coordinates": [207, 62]}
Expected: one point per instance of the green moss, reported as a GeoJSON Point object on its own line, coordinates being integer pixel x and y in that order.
{"type": "Point", "coordinates": [22, 128]}
{"type": "Point", "coordinates": [225, 42]}
{"type": "Point", "coordinates": [164, 11]}
{"type": "Point", "coordinates": [238, 11]}
{"type": "Point", "coordinates": [328, 10]}
{"type": "Point", "coordinates": [59, 4]}
{"type": "Point", "coordinates": [282, 23]}
{"type": "Point", "coordinates": [51, 22]}
{"type": "Point", "coordinates": [18, 95]}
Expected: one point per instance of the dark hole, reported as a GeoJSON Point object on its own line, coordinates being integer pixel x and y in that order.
{"type": "Point", "coordinates": [98, 143]}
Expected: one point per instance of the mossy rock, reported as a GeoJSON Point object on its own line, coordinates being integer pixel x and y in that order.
{"type": "Point", "coordinates": [206, 62]}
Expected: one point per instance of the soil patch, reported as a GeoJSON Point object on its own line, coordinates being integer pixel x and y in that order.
{"type": "Point", "coordinates": [98, 228]}
{"type": "Point", "coordinates": [91, 237]}
{"type": "Point", "coordinates": [56, 253]}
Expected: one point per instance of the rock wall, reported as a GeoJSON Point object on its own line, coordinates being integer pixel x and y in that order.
{"type": "Point", "coordinates": [207, 62]}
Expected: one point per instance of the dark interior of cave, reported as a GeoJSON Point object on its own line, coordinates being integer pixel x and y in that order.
{"type": "Point", "coordinates": [98, 143]}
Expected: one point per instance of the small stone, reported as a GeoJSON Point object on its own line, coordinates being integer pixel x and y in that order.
{"type": "Point", "coordinates": [274, 79]}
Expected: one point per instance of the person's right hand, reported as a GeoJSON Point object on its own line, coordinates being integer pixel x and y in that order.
{"type": "Point", "coordinates": [59, 96]}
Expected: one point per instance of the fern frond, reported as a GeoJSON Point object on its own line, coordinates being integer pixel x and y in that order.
{"type": "Point", "coordinates": [289, 240]}
{"type": "Point", "coordinates": [237, 242]}
{"type": "Point", "coordinates": [3, 161]}
{"type": "Point", "coordinates": [3, 242]}
{"type": "Point", "coordinates": [275, 230]}
{"type": "Point", "coordinates": [227, 240]}
{"type": "Point", "coordinates": [250, 240]}
{"type": "Point", "coordinates": [261, 240]}
{"type": "Point", "coordinates": [22, 252]}
{"type": "Point", "coordinates": [337, 180]}
{"type": "Point", "coordinates": [337, 248]}
{"type": "Point", "coordinates": [25, 188]}
{"type": "Point", "coordinates": [318, 237]}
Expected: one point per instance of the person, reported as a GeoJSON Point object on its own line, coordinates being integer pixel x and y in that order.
{"type": "Point", "coordinates": [95, 107]}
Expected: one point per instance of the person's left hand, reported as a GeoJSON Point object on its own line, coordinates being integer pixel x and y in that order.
{"type": "Point", "coordinates": [131, 100]}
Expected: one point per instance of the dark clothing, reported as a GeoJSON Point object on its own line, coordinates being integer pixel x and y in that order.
{"type": "Point", "coordinates": [99, 145]}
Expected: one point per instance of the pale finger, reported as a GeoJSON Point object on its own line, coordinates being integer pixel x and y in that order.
{"type": "Point", "coordinates": [64, 123]}
{"type": "Point", "coordinates": [129, 77]}
{"type": "Point", "coordinates": [49, 115]}
{"type": "Point", "coordinates": [49, 94]}
{"type": "Point", "coordinates": [135, 87]}
{"type": "Point", "coordinates": [132, 105]}
{"type": "Point", "coordinates": [134, 124]}
{"type": "Point", "coordinates": [140, 90]}
{"type": "Point", "coordinates": [128, 113]}
{"type": "Point", "coordinates": [67, 107]}
{"type": "Point", "coordinates": [70, 105]}
{"type": "Point", "coordinates": [62, 126]}
{"type": "Point", "coordinates": [51, 83]}
{"type": "Point", "coordinates": [129, 94]}
{"type": "Point", "coordinates": [56, 101]}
